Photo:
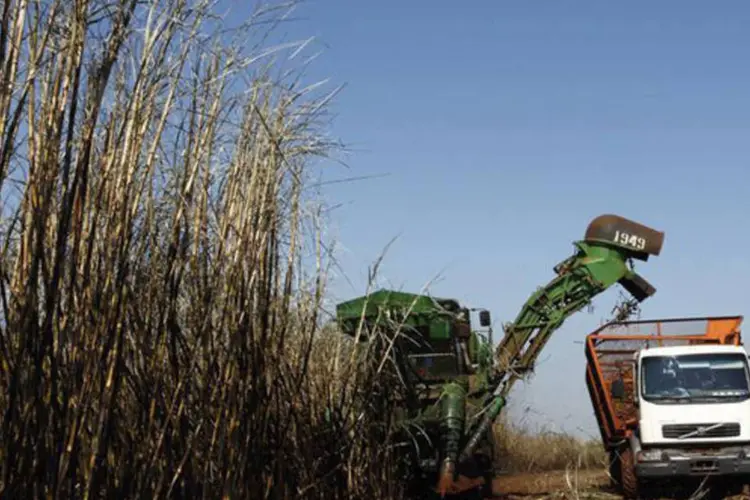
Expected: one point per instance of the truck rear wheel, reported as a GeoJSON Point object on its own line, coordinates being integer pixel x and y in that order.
{"type": "Point", "coordinates": [628, 479]}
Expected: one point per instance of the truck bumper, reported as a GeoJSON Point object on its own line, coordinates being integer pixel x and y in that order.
{"type": "Point", "coordinates": [694, 464]}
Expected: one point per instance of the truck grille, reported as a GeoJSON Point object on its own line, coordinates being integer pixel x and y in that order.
{"type": "Point", "coordinates": [715, 430]}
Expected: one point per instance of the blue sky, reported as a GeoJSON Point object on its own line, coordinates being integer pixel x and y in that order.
{"type": "Point", "coordinates": [501, 128]}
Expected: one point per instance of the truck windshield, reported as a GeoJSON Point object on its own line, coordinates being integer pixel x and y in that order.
{"type": "Point", "coordinates": [695, 377]}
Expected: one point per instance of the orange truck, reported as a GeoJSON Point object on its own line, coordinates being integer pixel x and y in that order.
{"type": "Point", "coordinates": [672, 401]}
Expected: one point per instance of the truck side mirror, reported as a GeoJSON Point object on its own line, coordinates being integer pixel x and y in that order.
{"type": "Point", "coordinates": [617, 389]}
{"type": "Point", "coordinates": [484, 318]}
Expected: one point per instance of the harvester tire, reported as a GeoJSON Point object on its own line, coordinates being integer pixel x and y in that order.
{"type": "Point", "coordinates": [628, 479]}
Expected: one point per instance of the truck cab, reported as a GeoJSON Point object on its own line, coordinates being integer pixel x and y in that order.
{"type": "Point", "coordinates": [672, 401]}
{"type": "Point", "coordinates": [693, 410]}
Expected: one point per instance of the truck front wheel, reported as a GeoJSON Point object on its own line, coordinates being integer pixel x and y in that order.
{"type": "Point", "coordinates": [628, 479]}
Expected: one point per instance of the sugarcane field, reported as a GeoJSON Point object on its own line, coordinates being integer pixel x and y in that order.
{"type": "Point", "coordinates": [396, 250]}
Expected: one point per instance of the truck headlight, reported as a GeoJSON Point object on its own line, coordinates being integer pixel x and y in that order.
{"type": "Point", "coordinates": [651, 456]}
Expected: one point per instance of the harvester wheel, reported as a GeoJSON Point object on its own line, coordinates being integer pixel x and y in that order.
{"type": "Point", "coordinates": [628, 479]}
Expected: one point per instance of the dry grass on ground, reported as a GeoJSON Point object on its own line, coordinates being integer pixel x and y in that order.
{"type": "Point", "coordinates": [521, 450]}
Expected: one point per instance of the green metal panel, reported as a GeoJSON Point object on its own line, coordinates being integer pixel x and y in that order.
{"type": "Point", "coordinates": [440, 329]}
{"type": "Point", "coordinates": [389, 308]}
{"type": "Point", "coordinates": [605, 264]}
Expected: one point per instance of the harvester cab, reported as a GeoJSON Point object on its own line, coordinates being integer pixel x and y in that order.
{"type": "Point", "coordinates": [434, 335]}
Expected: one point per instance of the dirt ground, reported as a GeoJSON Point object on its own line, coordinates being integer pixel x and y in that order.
{"type": "Point", "coordinates": [584, 484]}
{"type": "Point", "coordinates": [557, 484]}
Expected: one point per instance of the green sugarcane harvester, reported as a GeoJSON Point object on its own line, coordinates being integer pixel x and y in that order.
{"type": "Point", "coordinates": [447, 364]}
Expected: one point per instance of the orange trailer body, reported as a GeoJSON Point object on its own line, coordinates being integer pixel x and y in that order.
{"type": "Point", "coordinates": [610, 352]}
